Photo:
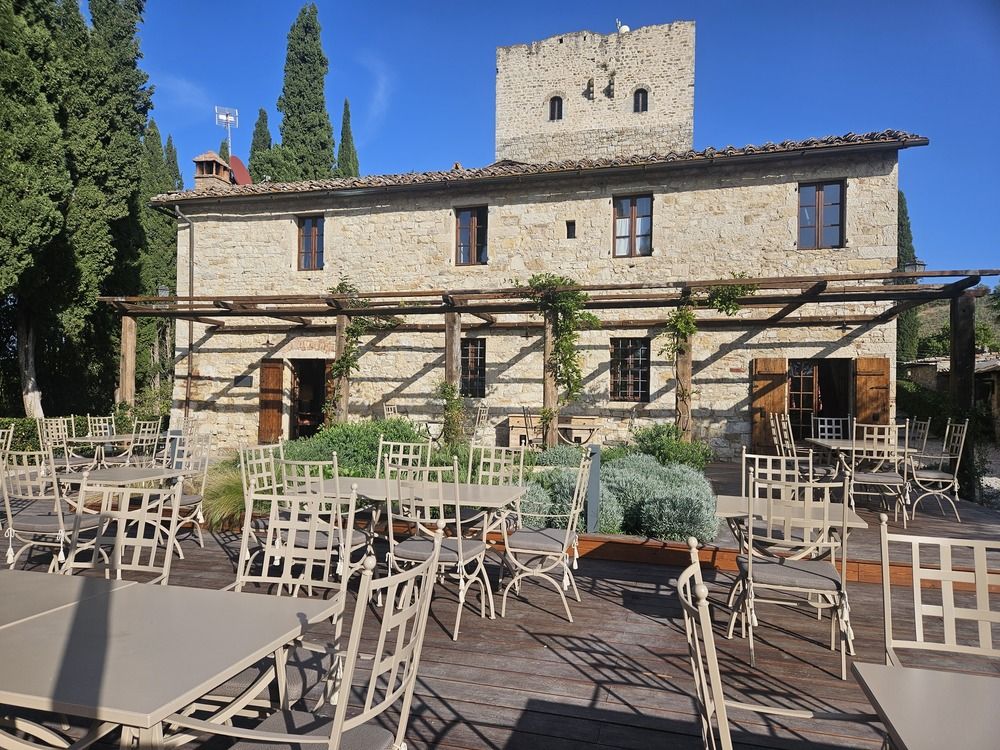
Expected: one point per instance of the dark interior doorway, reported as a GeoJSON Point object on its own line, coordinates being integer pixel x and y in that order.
{"type": "Point", "coordinates": [820, 388]}
{"type": "Point", "coordinates": [308, 396]}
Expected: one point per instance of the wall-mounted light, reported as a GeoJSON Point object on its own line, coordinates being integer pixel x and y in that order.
{"type": "Point", "coordinates": [914, 266]}
{"type": "Point", "coordinates": [162, 291]}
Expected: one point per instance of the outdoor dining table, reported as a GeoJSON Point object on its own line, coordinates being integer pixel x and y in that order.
{"type": "Point", "coordinates": [99, 443]}
{"type": "Point", "coordinates": [125, 475]}
{"type": "Point", "coordinates": [733, 508]}
{"type": "Point", "coordinates": [929, 709]}
{"type": "Point", "coordinates": [130, 654]}
{"type": "Point", "coordinates": [846, 445]}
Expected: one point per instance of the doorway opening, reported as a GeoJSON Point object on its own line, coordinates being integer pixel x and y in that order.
{"type": "Point", "coordinates": [308, 395]}
{"type": "Point", "coordinates": [817, 388]}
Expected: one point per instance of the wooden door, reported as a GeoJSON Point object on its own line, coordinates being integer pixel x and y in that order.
{"type": "Point", "coordinates": [768, 386]}
{"type": "Point", "coordinates": [269, 425]}
{"type": "Point", "coordinates": [871, 390]}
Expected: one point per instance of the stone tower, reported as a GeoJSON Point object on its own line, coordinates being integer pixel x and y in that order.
{"type": "Point", "coordinates": [587, 95]}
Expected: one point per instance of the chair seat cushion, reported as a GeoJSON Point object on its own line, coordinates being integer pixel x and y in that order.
{"type": "Point", "coordinates": [36, 521]}
{"type": "Point", "coordinates": [368, 736]}
{"type": "Point", "coordinates": [417, 549]}
{"type": "Point", "coordinates": [934, 474]}
{"type": "Point", "coordinates": [538, 540]}
{"type": "Point", "coordinates": [878, 477]}
{"type": "Point", "coordinates": [818, 575]}
{"type": "Point", "coordinates": [188, 500]}
{"type": "Point", "coordinates": [358, 539]}
{"type": "Point", "coordinates": [304, 670]}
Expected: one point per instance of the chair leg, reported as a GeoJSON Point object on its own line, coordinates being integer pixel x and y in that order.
{"type": "Point", "coordinates": [487, 591]}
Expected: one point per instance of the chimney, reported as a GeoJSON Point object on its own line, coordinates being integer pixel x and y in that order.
{"type": "Point", "coordinates": [211, 172]}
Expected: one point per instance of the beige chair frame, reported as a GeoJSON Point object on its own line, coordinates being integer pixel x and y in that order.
{"type": "Point", "coordinates": [531, 440]}
{"type": "Point", "coordinates": [774, 423]}
{"type": "Point", "coordinates": [192, 456]}
{"type": "Point", "coordinates": [944, 572]}
{"type": "Point", "coordinates": [390, 672]}
{"type": "Point", "coordinates": [937, 477]}
{"type": "Point", "coordinates": [920, 430]}
{"type": "Point", "coordinates": [30, 477]}
{"type": "Point", "coordinates": [830, 428]}
{"type": "Point", "coordinates": [54, 434]}
{"type": "Point", "coordinates": [531, 561]}
{"type": "Point", "coordinates": [145, 445]}
{"type": "Point", "coordinates": [789, 531]}
{"type": "Point", "coordinates": [6, 438]}
{"type": "Point", "coordinates": [258, 471]}
{"type": "Point", "coordinates": [879, 468]}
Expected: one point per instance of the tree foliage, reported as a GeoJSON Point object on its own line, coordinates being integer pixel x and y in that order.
{"type": "Point", "coordinates": [347, 156]}
{"type": "Point", "coordinates": [260, 143]}
{"type": "Point", "coordinates": [908, 323]}
{"type": "Point", "coordinates": [173, 167]}
{"type": "Point", "coordinates": [306, 131]}
{"type": "Point", "coordinates": [224, 150]}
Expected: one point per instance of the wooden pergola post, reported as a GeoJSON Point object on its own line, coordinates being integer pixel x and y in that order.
{"type": "Point", "coordinates": [453, 348]}
{"type": "Point", "coordinates": [682, 391]}
{"type": "Point", "coordinates": [550, 394]}
{"type": "Point", "coordinates": [126, 364]}
{"type": "Point", "coordinates": [343, 384]}
{"type": "Point", "coordinates": [961, 384]}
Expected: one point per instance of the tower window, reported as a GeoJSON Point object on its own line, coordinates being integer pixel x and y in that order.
{"type": "Point", "coordinates": [571, 230]}
{"type": "Point", "coordinates": [555, 108]}
{"type": "Point", "coordinates": [640, 100]}
{"type": "Point", "coordinates": [471, 228]}
{"type": "Point", "coordinates": [310, 243]}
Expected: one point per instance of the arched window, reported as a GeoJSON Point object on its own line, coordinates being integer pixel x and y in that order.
{"type": "Point", "coordinates": [555, 108]}
{"type": "Point", "coordinates": [640, 100]}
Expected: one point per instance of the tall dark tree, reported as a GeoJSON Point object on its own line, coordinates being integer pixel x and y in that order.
{"type": "Point", "coordinates": [347, 156]}
{"type": "Point", "coordinates": [173, 167]}
{"type": "Point", "coordinates": [907, 324]}
{"type": "Point", "coordinates": [259, 143]}
{"type": "Point", "coordinates": [224, 150]}
{"type": "Point", "coordinates": [36, 185]}
{"type": "Point", "coordinates": [306, 131]}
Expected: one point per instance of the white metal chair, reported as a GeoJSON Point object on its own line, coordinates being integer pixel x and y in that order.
{"type": "Point", "coordinates": [920, 430]}
{"type": "Point", "coordinates": [54, 435]}
{"type": "Point", "coordinates": [131, 524]}
{"type": "Point", "coordinates": [533, 436]}
{"type": "Point", "coordinates": [793, 547]}
{"type": "Point", "coordinates": [953, 592]}
{"type": "Point", "coordinates": [390, 411]}
{"type": "Point", "coordinates": [258, 470]}
{"type": "Point", "coordinates": [143, 448]}
{"type": "Point", "coordinates": [774, 424]}
{"type": "Point", "coordinates": [878, 468]}
{"type": "Point", "coordinates": [481, 421]}
{"type": "Point", "coordinates": [6, 438]}
{"type": "Point", "coordinates": [542, 552]}
{"type": "Point", "coordinates": [936, 475]}
{"type": "Point", "coordinates": [830, 428]}
{"type": "Point", "coordinates": [389, 672]}
{"type": "Point", "coordinates": [36, 513]}
{"type": "Point", "coordinates": [192, 457]}
{"type": "Point", "coordinates": [709, 694]}
{"type": "Point", "coordinates": [101, 426]}
{"type": "Point", "coordinates": [416, 504]}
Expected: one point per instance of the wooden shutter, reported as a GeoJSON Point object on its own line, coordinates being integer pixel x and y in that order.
{"type": "Point", "coordinates": [768, 387]}
{"type": "Point", "coordinates": [871, 390]}
{"type": "Point", "coordinates": [269, 426]}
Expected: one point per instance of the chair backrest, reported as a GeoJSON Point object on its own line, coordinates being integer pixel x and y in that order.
{"type": "Point", "coordinates": [6, 438]}
{"type": "Point", "coordinates": [954, 441]}
{"type": "Point", "coordinates": [954, 597]}
{"type": "Point", "coordinates": [419, 498]}
{"type": "Point", "coordinates": [919, 431]}
{"type": "Point", "coordinates": [390, 663]}
{"type": "Point", "coordinates": [145, 442]}
{"type": "Point", "coordinates": [830, 428]}
{"type": "Point", "coordinates": [571, 517]}
{"type": "Point", "coordinates": [101, 426]}
{"type": "Point", "coordinates": [389, 411]}
{"type": "Point", "coordinates": [709, 696]}
{"type": "Point", "coordinates": [191, 455]}
{"type": "Point", "coordinates": [767, 467]}
{"type": "Point", "coordinates": [799, 520]}
{"type": "Point", "coordinates": [258, 468]}
{"type": "Point", "coordinates": [54, 432]}
{"type": "Point", "coordinates": [876, 446]}
{"type": "Point", "coordinates": [28, 477]}
{"type": "Point", "coordinates": [482, 418]}
{"type": "Point", "coordinates": [787, 436]}
{"type": "Point", "coordinates": [401, 454]}
{"type": "Point", "coordinates": [138, 524]}
{"type": "Point", "coordinates": [495, 465]}
{"type": "Point", "coordinates": [776, 436]}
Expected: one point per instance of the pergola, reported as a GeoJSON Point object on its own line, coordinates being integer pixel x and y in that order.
{"type": "Point", "coordinates": [777, 303]}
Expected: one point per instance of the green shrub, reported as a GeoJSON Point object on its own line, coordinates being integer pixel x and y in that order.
{"type": "Point", "coordinates": [917, 402]}
{"type": "Point", "coordinates": [223, 504]}
{"type": "Point", "coordinates": [611, 514]}
{"type": "Point", "coordinates": [614, 452]}
{"type": "Point", "coordinates": [356, 444]}
{"type": "Point", "coordinates": [560, 455]}
{"type": "Point", "coordinates": [25, 433]}
{"type": "Point", "coordinates": [537, 502]}
{"type": "Point", "coordinates": [663, 440]}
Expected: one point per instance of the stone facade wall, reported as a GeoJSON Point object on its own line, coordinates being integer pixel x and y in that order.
{"type": "Point", "coordinates": [707, 223]}
{"type": "Point", "coordinates": [597, 122]}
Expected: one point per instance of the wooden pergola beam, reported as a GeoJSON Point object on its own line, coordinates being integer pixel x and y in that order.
{"type": "Point", "coordinates": [453, 348]}
{"type": "Point", "coordinates": [343, 385]}
{"type": "Point", "coordinates": [126, 365]}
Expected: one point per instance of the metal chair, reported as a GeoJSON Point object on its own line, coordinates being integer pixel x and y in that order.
{"type": "Point", "coordinates": [793, 547]}
{"type": "Point", "coordinates": [877, 465]}
{"type": "Point", "coordinates": [936, 475]}
{"type": "Point", "coordinates": [776, 434]}
{"type": "Point", "coordinates": [101, 426]}
{"type": "Point", "coordinates": [390, 411]}
{"type": "Point", "coordinates": [416, 504]}
{"type": "Point", "coordinates": [36, 512]}
{"type": "Point", "coordinates": [258, 470]}
{"type": "Point", "coordinates": [6, 438]}
{"type": "Point", "coordinates": [131, 524]}
{"type": "Point", "coordinates": [920, 429]}
{"type": "Point", "coordinates": [532, 438]}
{"type": "Point", "coordinates": [144, 447]}
{"type": "Point", "coordinates": [538, 553]}
{"type": "Point", "coordinates": [709, 693]}
{"type": "Point", "coordinates": [830, 428]}
{"type": "Point", "coordinates": [388, 673]}
{"type": "Point", "coordinates": [482, 421]}
{"type": "Point", "coordinates": [951, 591]}
{"type": "Point", "coordinates": [192, 457]}
{"type": "Point", "coordinates": [54, 434]}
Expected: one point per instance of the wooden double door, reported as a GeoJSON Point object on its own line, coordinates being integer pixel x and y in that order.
{"type": "Point", "coordinates": [803, 388]}
{"type": "Point", "coordinates": [309, 389]}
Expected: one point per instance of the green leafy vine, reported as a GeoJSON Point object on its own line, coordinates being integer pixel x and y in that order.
{"type": "Point", "coordinates": [682, 324]}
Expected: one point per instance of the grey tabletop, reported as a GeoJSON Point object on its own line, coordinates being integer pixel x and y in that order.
{"type": "Point", "coordinates": [134, 655]}
{"type": "Point", "coordinates": [472, 495]}
{"type": "Point", "coordinates": [735, 506]}
{"type": "Point", "coordinates": [125, 475]}
{"type": "Point", "coordinates": [28, 594]}
{"type": "Point", "coordinates": [101, 439]}
{"type": "Point", "coordinates": [928, 709]}
{"type": "Point", "coordinates": [845, 445]}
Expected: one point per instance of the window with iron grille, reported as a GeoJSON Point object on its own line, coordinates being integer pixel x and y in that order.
{"type": "Point", "coordinates": [821, 215]}
{"type": "Point", "coordinates": [471, 228]}
{"type": "Point", "coordinates": [630, 369]}
{"type": "Point", "coordinates": [310, 243]}
{"type": "Point", "coordinates": [633, 224]}
{"type": "Point", "coordinates": [473, 353]}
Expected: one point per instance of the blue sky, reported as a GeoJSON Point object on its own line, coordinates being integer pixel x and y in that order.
{"type": "Point", "coordinates": [420, 78]}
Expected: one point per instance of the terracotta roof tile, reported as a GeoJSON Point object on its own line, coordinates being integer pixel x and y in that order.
{"type": "Point", "coordinates": [508, 168]}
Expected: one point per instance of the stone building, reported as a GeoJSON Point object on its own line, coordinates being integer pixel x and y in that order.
{"type": "Point", "coordinates": [611, 193]}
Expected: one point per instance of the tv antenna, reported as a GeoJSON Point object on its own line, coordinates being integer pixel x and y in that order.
{"type": "Point", "coordinates": [229, 118]}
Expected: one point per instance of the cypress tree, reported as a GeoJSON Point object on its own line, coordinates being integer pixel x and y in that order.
{"type": "Point", "coordinates": [173, 168]}
{"type": "Point", "coordinates": [260, 143]}
{"type": "Point", "coordinates": [224, 150]}
{"type": "Point", "coordinates": [907, 324]}
{"type": "Point", "coordinates": [306, 131]}
{"type": "Point", "coordinates": [347, 156]}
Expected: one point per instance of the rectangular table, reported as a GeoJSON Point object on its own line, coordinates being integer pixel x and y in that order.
{"type": "Point", "coordinates": [131, 655]}
{"type": "Point", "coordinates": [735, 507]}
{"type": "Point", "coordinates": [846, 445]}
{"type": "Point", "coordinates": [125, 475]}
{"type": "Point", "coordinates": [929, 709]}
{"type": "Point", "coordinates": [25, 598]}
{"type": "Point", "coordinates": [492, 497]}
